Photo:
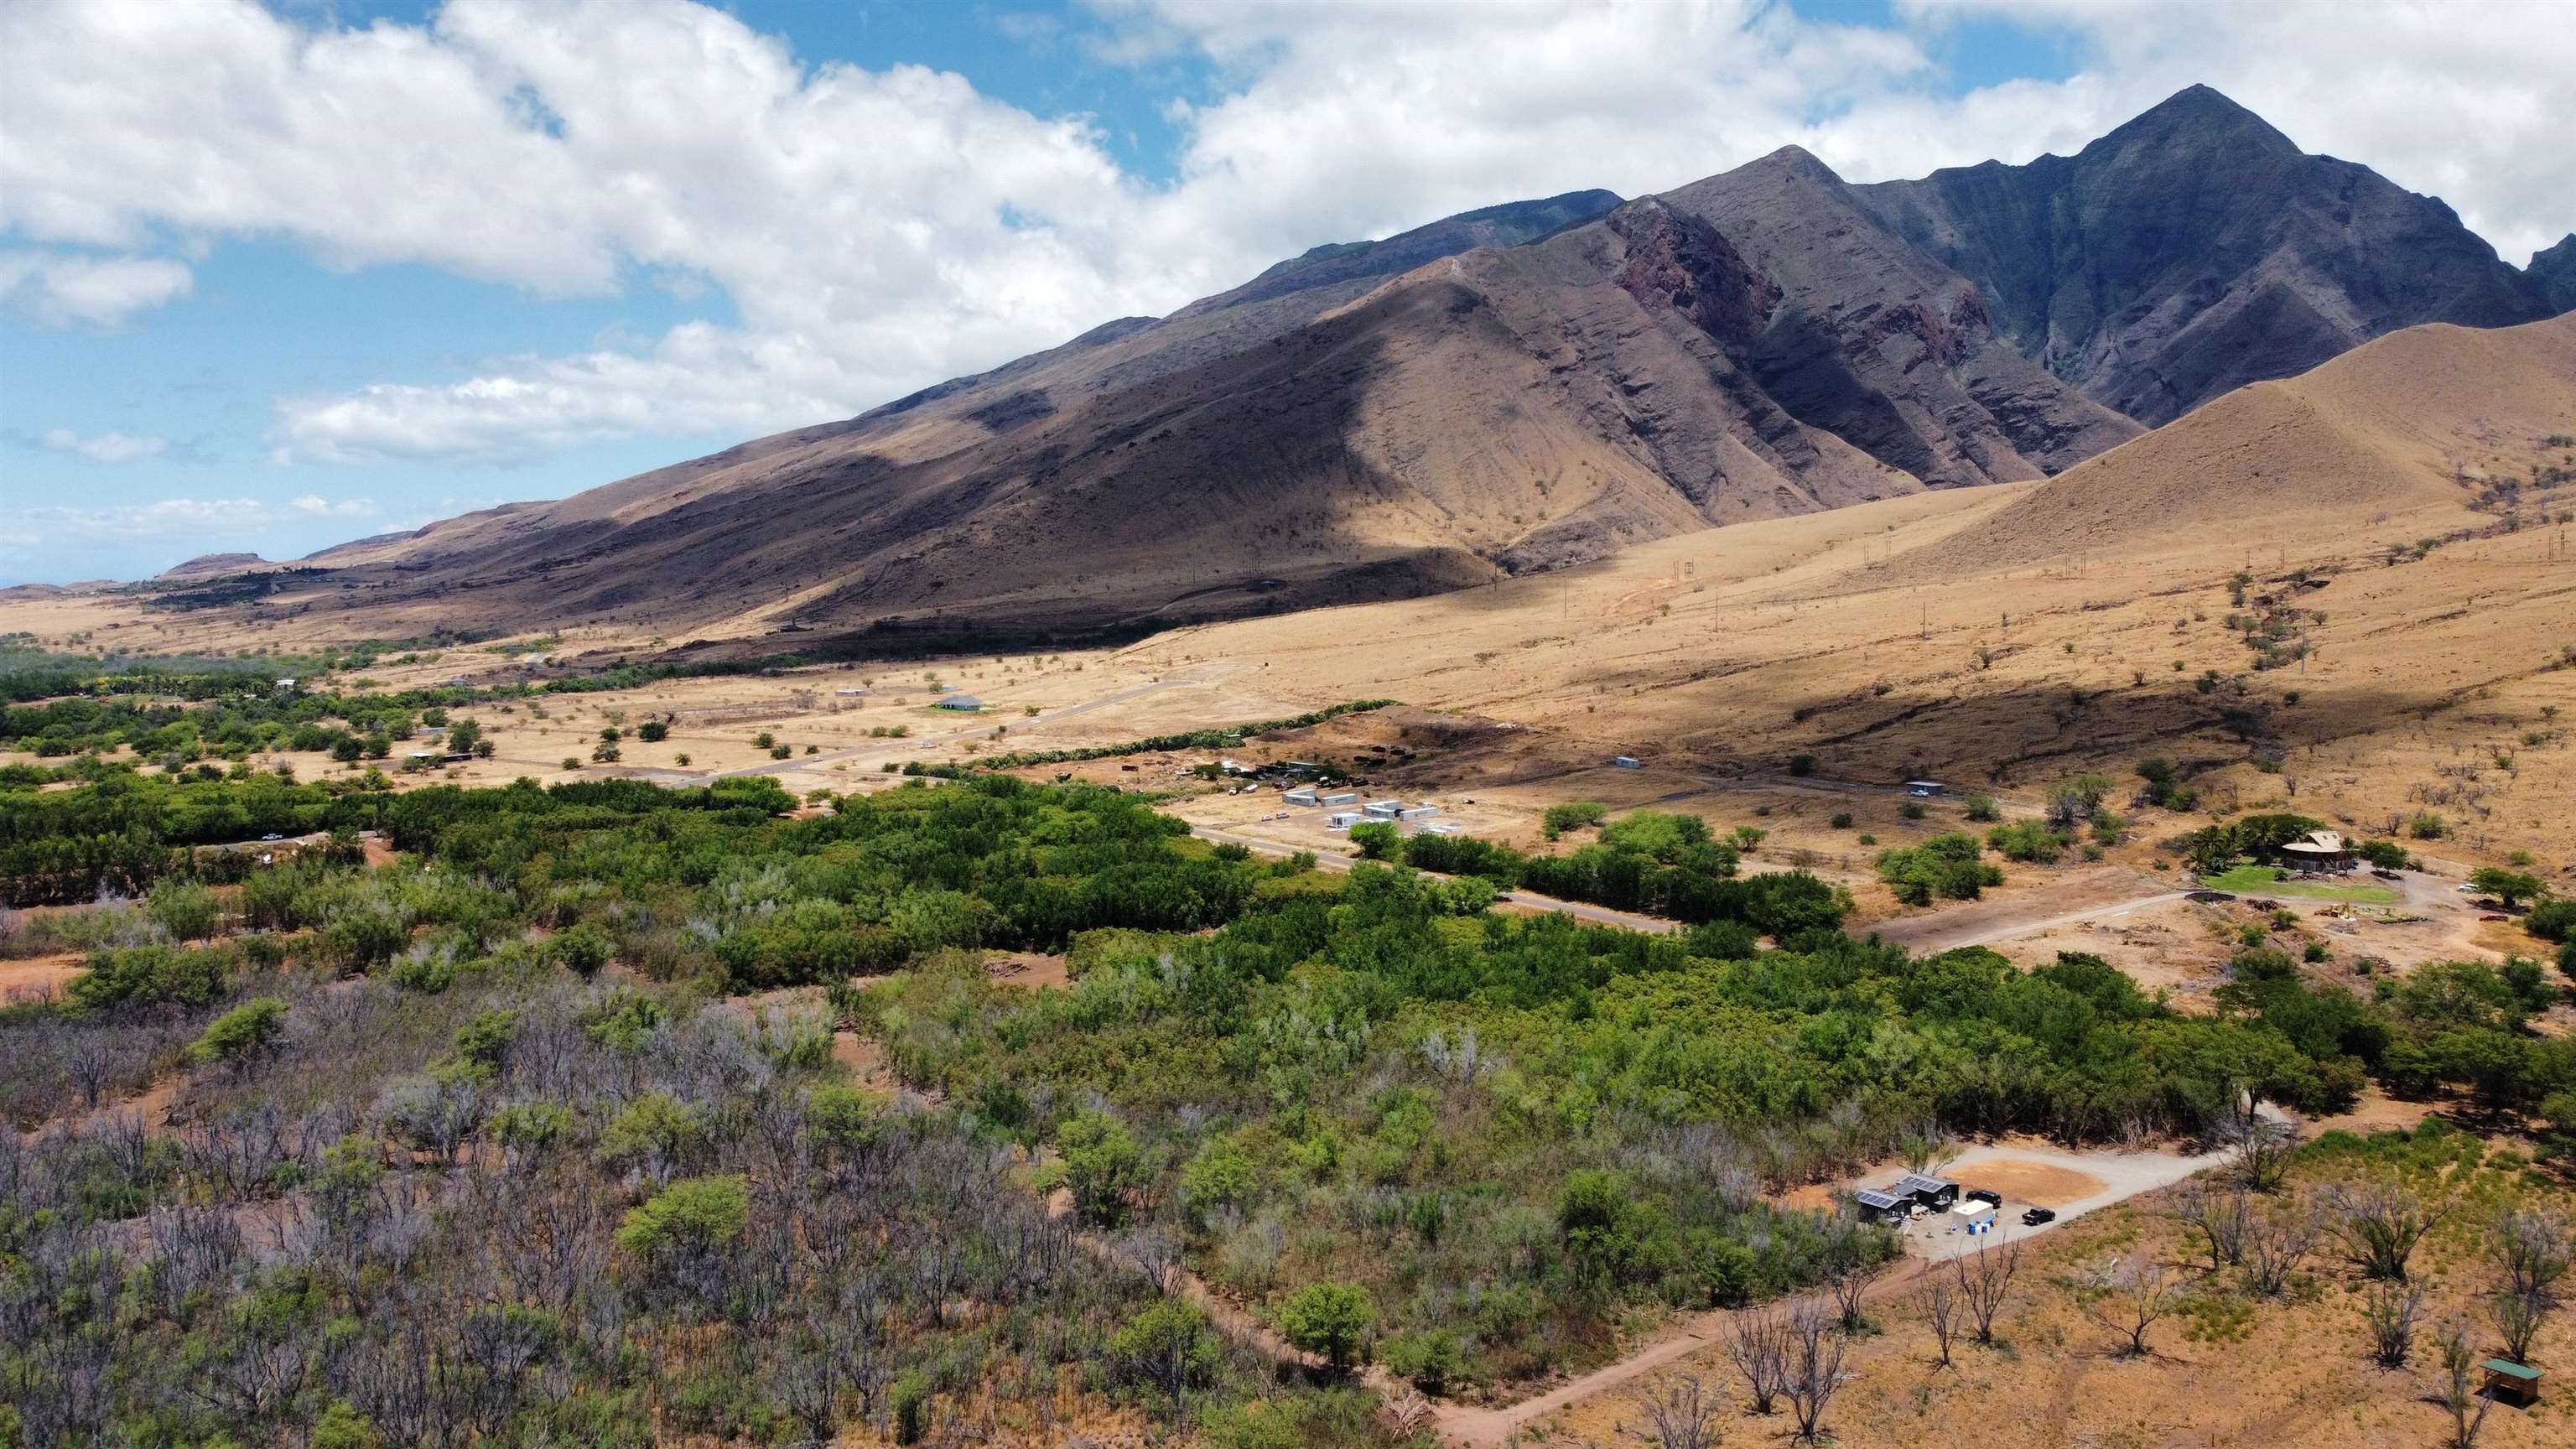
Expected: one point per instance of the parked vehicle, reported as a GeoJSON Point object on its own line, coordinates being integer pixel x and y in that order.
{"type": "Point", "coordinates": [1984, 1195]}
{"type": "Point", "coordinates": [2036, 1216]}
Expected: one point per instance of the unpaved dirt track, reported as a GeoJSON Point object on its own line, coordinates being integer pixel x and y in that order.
{"type": "Point", "coordinates": [2123, 1174]}
{"type": "Point", "coordinates": [2084, 896]}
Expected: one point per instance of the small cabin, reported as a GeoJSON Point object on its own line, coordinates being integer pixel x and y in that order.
{"type": "Point", "coordinates": [1935, 1193]}
{"type": "Point", "coordinates": [1877, 1205]}
{"type": "Point", "coordinates": [1342, 820]}
{"type": "Point", "coordinates": [2512, 1383]}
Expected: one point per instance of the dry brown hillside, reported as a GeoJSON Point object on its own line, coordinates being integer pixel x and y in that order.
{"type": "Point", "coordinates": [2418, 419]}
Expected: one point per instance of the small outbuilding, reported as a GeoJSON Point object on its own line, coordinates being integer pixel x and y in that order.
{"type": "Point", "coordinates": [1974, 1214]}
{"type": "Point", "coordinates": [1384, 809]}
{"type": "Point", "coordinates": [1302, 795]}
{"type": "Point", "coordinates": [964, 703]}
{"type": "Point", "coordinates": [1342, 820]}
{"type": "Point", "coordinates": [1936, 1193]}
{"type": "Point", "coordinates": [1926, 789]}
{"type": "Point", "coordinates": [1339, 797]}
{"type": "Point", "coordinates": [1626, 762]}
{"type": "Point", "coordinates": [1876, 1205]}
{"type": "Point", "coordinates": [2513, 1383]}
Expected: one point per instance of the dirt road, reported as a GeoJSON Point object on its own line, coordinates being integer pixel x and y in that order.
{"type": "Point", "coordinates": [2123, 1175]}
{"type": "Point", "coordinates": [2083, 896]}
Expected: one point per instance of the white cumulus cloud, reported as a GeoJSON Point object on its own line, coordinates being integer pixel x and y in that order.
{"type": "Point", "coordinates": [104, 447]}
{"type": "Point", "coordinates": [225, 520]}
{"type": "Point", "coordinates": [878, 230]}
{"type": "Point", "coordinates": [61, 289]}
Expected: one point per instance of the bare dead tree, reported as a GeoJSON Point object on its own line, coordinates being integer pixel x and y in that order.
{"type": "Point", "coordinates": [2278, 1243]}
{"type": "Point", "coordinates": [2518, 1318]}
{"type": "Point", "coordinates": [2379, 1224]}
{"type": "Point", "coordinates": [1759, 1347]}
{"type": "Point", "coordinates": [2259, 1147]}
{"type": "Point", "coordinates": [1849, 1283]}
{"type": "Point", "coordinates": [1985, 1281]}
{"type": "Point", "coordinates": [2392, 1311]}
{"type": "Point", "coordinates": [1814, 1366]}
{"type": "Point", "coordinates": [1944, 1307]}
{"type": "Point", "coordinates": [1682, 1417]}
{"type": "Point", "coordinates": [2132, 1295]}
{"type": "Point", "coordinates": [2534, 1248]}
{"type": "Point", "coordinates": [2222, 1216]}
{"type": "Point", "coordinates": [2460, 1386]}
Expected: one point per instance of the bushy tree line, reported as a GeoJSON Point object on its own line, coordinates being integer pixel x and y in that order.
{"type": "Point", "coordinates": [1224, 737]}
{"type": "Point", "coordinates": [1649, 861]}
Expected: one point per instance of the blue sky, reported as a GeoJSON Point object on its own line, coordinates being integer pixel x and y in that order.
{"type": "Point", "coordinates": [352, 266]}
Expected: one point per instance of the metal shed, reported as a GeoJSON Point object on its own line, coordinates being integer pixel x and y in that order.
{"type": "Point", "coordinates": [1936, 1193]}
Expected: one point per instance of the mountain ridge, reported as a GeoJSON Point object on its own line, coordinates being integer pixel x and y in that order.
{"type": "Point", "coordinates": [1511, 389]}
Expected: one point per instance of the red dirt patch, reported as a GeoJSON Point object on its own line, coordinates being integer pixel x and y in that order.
{"type": "Point", "coordinates": [38, 975]}
{"type": "Point", "coordinates": [1028, 969]}
{"type": "Point", "coordinates": [2032, 1182]}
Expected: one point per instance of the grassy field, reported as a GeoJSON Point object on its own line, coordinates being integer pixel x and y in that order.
{"type": "Point", "coordinates": [2257, 880]}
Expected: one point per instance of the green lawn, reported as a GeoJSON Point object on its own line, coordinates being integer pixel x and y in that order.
{"type": "Point", "coordinates": [2257, 880]}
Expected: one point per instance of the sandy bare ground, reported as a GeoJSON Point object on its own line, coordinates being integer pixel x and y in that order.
{"type": "Point", "coordinates": [39, 977]}
{"type": "Point", "coordinates": [2091, 894]}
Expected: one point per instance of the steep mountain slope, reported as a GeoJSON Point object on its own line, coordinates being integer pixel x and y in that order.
{"type": "Point", "coordinates": [2386, 430]}
{"type": "Point", "coordinates": [2553, 270]}
{"type": "Point", "coordinates": [2197, 249]}
{"type": "Point", "coordinates": [1508, 390]}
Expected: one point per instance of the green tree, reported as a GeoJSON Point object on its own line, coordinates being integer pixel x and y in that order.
{"type": "Point", "coordinates": [1102, 1163]}
{"type": "Point", "coordinates": [695, 1214]}
{"type": "Point", "coordinates": [1329, 1318]}
{"type": "Point", "coordinates": [1222, 1175]}
{"type": "Point", "coordinates": [242, 1034]}
{"type": "Point", "coordinates": [1170, 1346]}
{"type": "Point", "coordinates": [2508, 886]}
{"type": "Point", "coordinates": [581, 949]}
{"type": "Point", "coordinates": [652, 731]}
{"type": "Point", "coordinates": [1375, 840]}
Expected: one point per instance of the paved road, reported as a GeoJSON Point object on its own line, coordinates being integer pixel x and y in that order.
{"type": "Point", "coordinates": [859, 752]}
{"type": "Point", "coordinates": [1529, 900]}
